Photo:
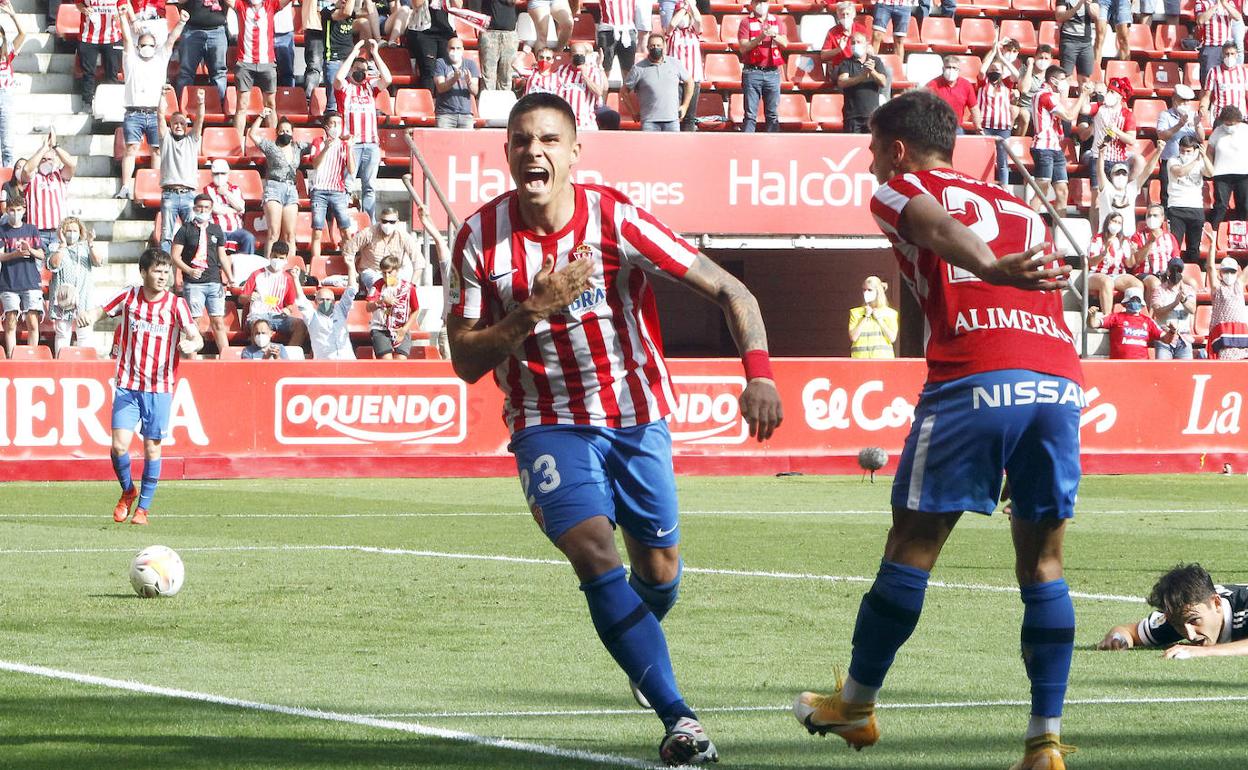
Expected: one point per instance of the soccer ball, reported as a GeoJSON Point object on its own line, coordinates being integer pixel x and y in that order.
{"type": "Point", "coordinates": [157, 571]}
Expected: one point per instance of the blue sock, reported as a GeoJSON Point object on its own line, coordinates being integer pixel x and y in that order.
{"type": "Point", "coordinates": [659, 598]}
{"type": "Point", "coordinates": [151, 474]}
{"type": "Point", "coordinates": [121, 468]}
{"type": "Point", "coordinates": [886, 618]}
{"type": "Point", "coordinates": [1048, 640]}
{"type": "Point", "coordinates": [634, 638]}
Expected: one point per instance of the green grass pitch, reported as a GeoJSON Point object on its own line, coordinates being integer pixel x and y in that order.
{"type": "Point", "coordinates": [362, 597]}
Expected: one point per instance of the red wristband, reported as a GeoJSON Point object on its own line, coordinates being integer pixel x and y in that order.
{"type": "Point", "coordinates": [757, 364]}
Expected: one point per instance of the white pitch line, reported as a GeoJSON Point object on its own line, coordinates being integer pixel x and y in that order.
{"type": "Point", "coordinates": [328, 716]}
{"type": "Point", "coordinates": [766, 574]}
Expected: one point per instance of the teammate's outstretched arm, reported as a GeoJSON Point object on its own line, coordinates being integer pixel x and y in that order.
{"type": "Point", "coordinates": [760, 402]}
{"type": "Point", "coordinates": [477, 349]}
{"type": "Point", "coordinates": [927, 224]}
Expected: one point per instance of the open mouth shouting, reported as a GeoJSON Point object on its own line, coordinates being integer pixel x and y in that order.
{"type": "Point", "coordinates": [536, 179]}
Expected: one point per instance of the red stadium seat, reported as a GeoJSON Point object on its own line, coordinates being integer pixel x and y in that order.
{"type": "Point", "coordinates": [28, 353]}
{"type": "Point", "coordinates": [1115, 68]}
{"type": "Point", "coordinates": [1036, 9]}
{"type": "Point", "coordinates": [252, 104]}
{"type": "Point", "coordinates": [583, 28]}
{"type": "Point", "coordinates": [788, 28]}
{"type": "Point", "coordinates": [729, 27]}
{"type": "Point", "coordinates": [940, 35]}
{"type": "Point", "coordinates": [723, 71]}
{"type": "Point", "coordinates": [1168, 39]}
{"type": "Point", "coordinates": [712, 42]}
{"type": "Point", "coordinates": [221, 143]}
{"type": "Point", "coordinates": [828, 110]}
{"type": "Point", "coordinates": [1200, 324]}
{"type": "Point", "coordinates": [292, 104]}
{"type": "Point", "coordinates": [710, 105]}
{"type": "Point", "coordinates": [893, 62]}
{"type": "Point", "coordinates": [1140, 38]}
{"type": "Point", "coordinates": [414, 107]}
{"type": "Point", "coordinates": [1161, 77]}
{"type": "Point", "coordinates": [1048, 36]}
{"type": "Point", "coordinates": [795, 113]}
{"type": "Point", "coordinates": [147, 187]}
{"type": "Point", "coordinates": [813, 79]}
{"type": "Point", "coordinates": [1021, 146]}
{"type": "Point", "coordinates": [74, 353]}
{"type": "Point", "coordinates": [977, 34]}
{"type": "Point", "coordinates": [399, 62]}
{"type": "Point", "coordinates": [1146, 112]}
{"type": "Point", "coordinates": [1022, 32]}
{"type": "Point", "coordinates": [119, 149]}
{"type": "Point", "coordinates": [465, 32]}
{"type": "Point", "coordinates": [425, 352]}
{"type": "Point", "coordinates": [364, 352]}
{"type": "Point", "coordinates": [214, 110]}
{"type": "Point", "coordinates": [394, 149]}
{"type": "Point", "coordinates": [985, 7]}
{"type": "Point", "coordinates": [68, 22]}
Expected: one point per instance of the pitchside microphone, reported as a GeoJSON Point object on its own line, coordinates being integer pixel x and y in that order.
{"type": "Point", "coordinates": [871, 460]}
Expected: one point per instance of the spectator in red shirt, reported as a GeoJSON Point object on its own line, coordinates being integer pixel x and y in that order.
{"type": "Point", "coordinates": [837, 46]}
{"type": "Point", "coordinates": [957, 92]}
{"type": "Point", "coordinates": [762, 41]}
{"type": "Point", "coordinates": [1131, 334]}
{"type": "Point", "coordinates": [392, 301]}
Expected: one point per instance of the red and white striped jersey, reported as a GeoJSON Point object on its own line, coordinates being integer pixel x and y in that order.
{"type": "Point", "coordinates": [255, 31]}
{"type": "Point", "coordinates": [391, 318]}
{"type": "Point", "coordinates": [100, 24]}
{"type": "Point", "coordinates": [994, 104]}
{"type": "Point", "coordinates": [1114, 253]}
{"type": "Point", "coordinates": [6, 70]}
{"type": "Point", "coordinates": [1119, 119]}
{"type": "Point", "coordinates": [972, 326]}
{"type": "Point", "coordinates": [227, 222]}
{"type": "Point", "coordinates": [617, 13]}
{"type": "Point", "coordinates": [548, 82]}
{"type": "Point", "coordinates": [358, 104]}
{"type": "Point", "coordinates": [575, 91]}
{"type": "Point", "coordinates": [684, 44]}
{"type": "Point", "coordinates": [45, 200]}
{"type": "Point", "coordinates": [276, 290]}
{"type": "Point", "coordinates": [1217, 30]}
{"type": "Point", "coordinates": [146, 344]}
{"type": "Point", "coordinates": [1048, 124]}
{"type": "Point", "coordinates": [600, 361]}
{"type": "Point", "coordinates": [1165, 248]}
{"type": "Point", "coordinates": [332, 173]}
{"type": "Point", "coordinates": [1227, 87]}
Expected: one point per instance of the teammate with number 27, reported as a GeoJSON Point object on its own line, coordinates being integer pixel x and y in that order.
{"type": "Point", "coordinates": [549, 290]}
{"type": "Point", "coordinates": [1002, 395]}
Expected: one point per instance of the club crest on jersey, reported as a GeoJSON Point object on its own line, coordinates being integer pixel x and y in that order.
{"type": "Point", "coordinates": [582, 251]}
{"type": "Point", "coordinates": [594, 295]}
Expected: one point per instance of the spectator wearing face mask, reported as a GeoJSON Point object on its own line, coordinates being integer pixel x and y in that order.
{"type": "Point", "coordinates": [838, 44]}
{"type": "Point", "coordinates": [9, 49]}
{"type": "Point", "coordinates": [861, 78]}
{"type": "Point", "coordinates": [455, 82]}
{"type": "Point", "coordinates": [1152, 248]}
{"type": "Point", "coordinates": [873, 325]}
{"type": "Point", "coordinates": [1030, 80]}
{"type": "Point", "coordinates": [684, 44]}
{"type": "Point", "coordinates": [365, 250]}
{"type": "Point", "coordinates": [1120, 190]}
{"type": "Point", "coordinates": [1111, 127]}
{"type": "Point", "coordinates": [994, 98]}
{"type": "Point", "coordinates": [257, 55]}
{"type": "Point", "coordinates": [282, 157]}
{"type": "Point", "coordinates": [1228, 321]}
{"type": "Point", "coordinates": [147, 66]}
{"type": "Point", "coordinates": [326, 319]}
{"type": "Point", "coordinates": [270, 293]}
{"type": "Point", "coordinates": [21, 295]}
{"type": "Point", "coordinates": [1173, 125]}
{"type": "Point", "coordinates": [761, 42]}
{"type": "Point", "coordinates": [228, 207]}
{"type": "Point", "coordinates": [545, 77]}
{"type": "Point", "coordinates": [1131, 334]}
{"type": "Point", "coordinates": [1109, 261]}
{"type": "Point", "coordinates": [179, 168]}
{"type": "Point", "coordinates": [394, 306]}
{"type": "Point", "coordinates": [1229, 143]}
{"type": "Point", "coordinates": [71, 285]}
{"type": "Point", "coordinates": [957, 92]}
{"type": "Point", "coordinates": [357, 100]}
{"type": "Point", "coordinates": [1050, 108]}
{"type": "Point", "coordinates": [658, 83]}
{"type": "Point", "coordinates": [332, 160]}
{"type": "Point", "coordinates": [1226, 85]}
{"type": "Point", "coordinates": [262, 347]}
{"type": "Point", "coordinates": [1214, 20]}
{"type": "Point", "coordinates": [1185, 177]}
{"type": "Point", "coordinates": [46, 188]}
{"type": "Point", "coordinates": [98, 35]}
{"type": "Point", "coordinates": [199, 252]}
{"type": "Point", "coordinates": [204, 42]}
{"type": "Point", "coordinates": [1172, 304]}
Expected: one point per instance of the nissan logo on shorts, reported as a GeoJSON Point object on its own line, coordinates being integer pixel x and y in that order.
{"type": "Point", "coordinates": [707, 410]}
{"type": "Point", "coordinates": [362, 410]}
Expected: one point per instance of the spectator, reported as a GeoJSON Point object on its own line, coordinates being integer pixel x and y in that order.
{"type": "Point", "coordinates": [179, 168]}
{"type": "Point", "coordinates": [1173, 303]}
{"type": "Point", "coordinates": [861, 78]}
{"type": "Point", "coordinates": [1005, 52]}
{"type": "Point", "coordinates": [387, 20]}
{"type": "Point", "coordinates": [71, 285]}
{"type": "Point", "coordinates": [13, 189]}
{"type": "Point", "coordinates": [147, 67]}
{"type": "Point", "coordinates": [147, 16]}
{"type": "Point", "coordinates": [1151, 251]}
{"type": "Point", "coordinates": [1181, 120]}
{"type": "Point", "coordinates": [340, 25]}
{"type": "Point", "coordinates": [684, 44]}
{"type": "Point", "coordinates": [617, 34]}
{"type": "Point", "coordinates": [1116, 14]}
{"type": "Point", "coordinates": [1049, 109]}
{"type": "Point", "coordinates": [996, 118]}
{"type": "Point", "coordinates": [270, 293]}
{"type": "Point", "coordinates": [284, 46]}
{"type": "Point", "coordinates": [21, 294]}
{"type": "Point", "coordinates": [1213, 30]}
{"type": "Point", "coordinates": [1030, 81]}
{"type": "Point", "coordinates": [873, 325]}
{"type": "Point", "coordinates": [761, 42]}
{"type": "Point", "coordinates": [228, 207]}
{"type": "Point", "coordinates": [203, 42]}
{"type": "Point", "coordinates": [896, 12]}
{"type": "Point", "coordinates": [357, 100]}
{"type": "Point", "coordinates": [545, 76]}
{"type": "Point", "coordinates": [313, 44]}
{"type": "Point", "coordinates": [1229, 143]}
{"type": "Point", "coordinates": [208, 271]}
{"type": "Point", "coordinates": [365, 250]}
{"type": "Point", "coordinates": [427, 45]}
{"type": "Point", "coordinates": [98, 35]}
{"type": "Point", "coordinates": [394, 306]}
{"type": "Point", "coordinates": [332, 160]}
{"type": "Point", "coordinates": [456, 83]}
{"type": "Point", "coordinates": [1228, 321]}
{"type": "Point", "coordinates": [46, 188]}
{"type": "Point", "coordinates": [1109, 260]}
{"type": "Point", "coordinates": [658, 83]}
{"type": "Point", "coordinates": [326, 320]}
{"type": "Point", "coordinates": [498, 44]}
{"type": "Point", "coordinates": [262, 347]}
{"type": "Point", "coordinates": [582, 83]}
{"type": "Point", "coordinates": [257, 55]}
{"type": "Point", "coordinates": [1111, 127]}
{"type": "Point", "coordinates": [281, 198]}
{"type": "Point", "coordinates": [9, 49]}
{"type": "Point", "coordinates": [957, 92]}
{"type": "Point", "coordinates": [1186, 181]}
{"type": "Point", "coordinates": [543, 12]}
{"type": "Point", "coordinates": [838, 44]}
{"type": "Point", "coordinates": [1123, 190]}
{"type": "Point", "coordinates": [1130, 333]}
{"type": "Point", "coordinates": [1226, 85]}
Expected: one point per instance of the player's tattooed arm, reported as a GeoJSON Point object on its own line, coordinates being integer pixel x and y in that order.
{"type": "Point", "coordinates": [477, 349]}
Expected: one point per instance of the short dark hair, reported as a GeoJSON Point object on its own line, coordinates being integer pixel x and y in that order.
{"type": "Point", "coordinates": [921, 120]}
{"type": "Point", "coordinates": [1230, 114]}
{"type": "Point", "coordinates": [281, 247]}
{"type": "Point", "coordinates": [286, 120]}
{"type": "Point", "coordinates": [154, 257]}
{"type": "Point", "coordinates": [1180, 588]}
{"type": "Point", "coordinates": [1189, 141]}
{"type": "Point", "coordinates": [1044, 48]}
{"type": "Point", "coordinates": [1229, 46]}
{"type": "Point", "coordinates": [260, 320]}
{"type": "Point", "coordinates": [542, 101]}
{"type": "Point", "coordinates": [1053, 71]}
{"type": "Point", "coordinates": [202, 197]}
{"type": "Point", "coordinates": [329, 114]}
{"type": "Point", "coordinates": [389, 262]}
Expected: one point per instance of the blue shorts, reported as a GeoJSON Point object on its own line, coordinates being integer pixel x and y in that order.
{"type": "Point", "coordinates": [137, 125]}
{"type": "Point", "coordinates": [898, 14]}
{"type": "Point", "coordinates": [571, 473]}
{"type": "Point", "coordinates": [333, 202]}
{"type": "Point", "coordinates": [1050, 165]}
{"type": "Point", "coordinates": [1116, 12]}
{"type": "Point", "coordinates": [967, 431]}
{"type": "Point", "coordinates": [149, 411]}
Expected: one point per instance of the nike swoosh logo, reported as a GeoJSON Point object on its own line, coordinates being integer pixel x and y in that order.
{"type": "Point", "coordinates": [665, 532]}
{"type": "Point", "coordinates": [500, 276]}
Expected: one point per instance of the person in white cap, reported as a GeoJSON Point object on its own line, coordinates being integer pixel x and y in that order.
{"type": "Point", "coordinates": [227, 208]}
{"type": "Point", "coordinates": [1228, 322]}
{"type": "Point", "coordinates": [1131, 333]}
{"type": "Point", "coordinates": [1182, 119]}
